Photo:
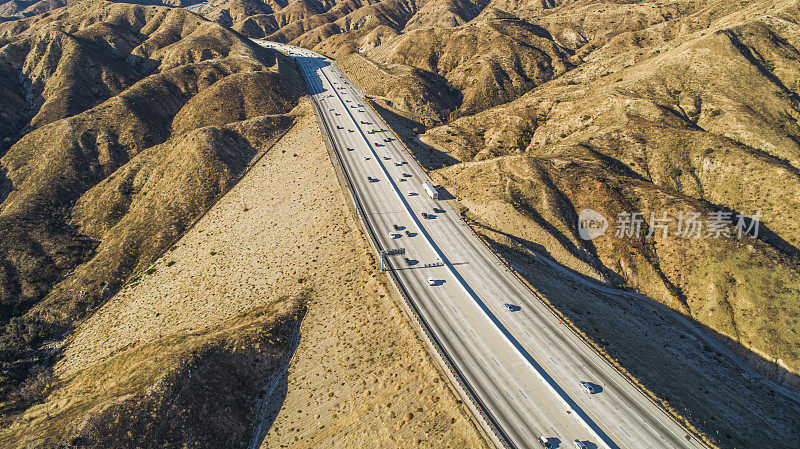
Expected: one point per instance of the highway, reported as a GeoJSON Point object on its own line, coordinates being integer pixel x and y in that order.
{"type": "Point", "coordinates": [524, 366]}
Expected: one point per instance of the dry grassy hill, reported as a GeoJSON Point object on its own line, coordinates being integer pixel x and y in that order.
{"type": "Point", "coordinates": [124, 124]}
{"type": "Point", "coordinates": [703, 122]}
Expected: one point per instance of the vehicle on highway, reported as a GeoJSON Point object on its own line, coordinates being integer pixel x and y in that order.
{"type": "Point", "coordinates": [412, 193]}
{"type": "Point", "coordinates": [366, 158]}
{"type": "Point", "coordinates": [511, 307]}
{"type": "Point", "coordinates": [406, 175]}
{"type": "Point", "coordinates": [409, 261]}
{"type": "Point", "coordinates": [408, 233]}
{"type": "Point", "coordinates": [397, 164]}
{"type": "Point", "coordinates": [424, 215]}
{"type": "Point", "coordinates": [349, 149]}
{"type": "Point", "coordinates": [330, 109]}
{"type": "Point", "coordinates": [431, 189]}
{"type": "Point", "coordinates": [579, 445]}
{"type": "Point", "coordinates": [386, 158]}
{"type": "Point", "coordinates": [349, 130]}
{"type": "Point", "coordinates": [545, 442]}
{"type": "Point", "coordinates": [588, 387]}
{"type": "Point", "coordinates": [378, 144]}
{"type": "Point", "coordinates": [431, 281]}
{"type": "Point", "coordinates": [339, 127]}
{"type": "Point", "coordinates": [396, 227]}
{"type": "Point", "coordinates": [364, 122]}
{"type": "Point", "coordinates": [336, 114]}
{"type": "Point", "coordinates": [395, 235]}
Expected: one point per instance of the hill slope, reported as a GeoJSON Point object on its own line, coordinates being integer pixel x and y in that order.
{"type": "Point", "coordinates": [128, 123]}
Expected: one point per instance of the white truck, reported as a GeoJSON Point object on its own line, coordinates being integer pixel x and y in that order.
{"type": "Point", "coordinates": [431, 189]}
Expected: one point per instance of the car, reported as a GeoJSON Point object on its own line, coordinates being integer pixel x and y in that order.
{"type": "Point", "coordinates": [396, 227]}
{"type": "Point", "coordinates": [349, 149]}
{"type": "Point", "coordinates": [406, 175]}
{"type": "Point", "coordinates": [412, 193]}
{"type": "Point", "coordinates": [339, 127]}
{"type": "Point", "coordinates": [579, 445]}
{"type": "Point", "coordinates": [386, 158]}
{"type": "Point", "coordinates": [588, 387]}
{"type": "Point", "coordinates": [397, 164]}
{"type": "Point", "coordinates": [424, 215]}
{"type": "Point", "coordinates": [366, 158]}
{"type": "Point", "coordinates": [395, 235]}
{"type": "Point", "coordinates": [337, 114]}
{"type": "Point", "coordinates": [511, 307]}
{"type": "Point", "coordinates": [431, 281]}
{"type": "Point", "coordinates": [349, 130]}
{"type": "Point", "coordinates": [545, 442]}
{"type": "Point", "coordinates": [408, 233]}
{"type": "Point", "coordinates": [438, 210]}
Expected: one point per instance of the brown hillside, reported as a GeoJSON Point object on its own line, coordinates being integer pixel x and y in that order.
{"type": "Point", "coordinates": [145, 115]}
{"type": "Point", "coordinates": [710, 118]}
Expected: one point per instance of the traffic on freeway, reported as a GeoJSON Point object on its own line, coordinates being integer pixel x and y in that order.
{"type": "Point", "coordinates": [538, 382]}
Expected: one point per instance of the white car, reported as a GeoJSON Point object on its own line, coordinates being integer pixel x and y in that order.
{"type": "Point", "coordinates": [579, 445]}
{"type": "Point", "coordinates": [431, 281]}
{"type": "Point", "coordinates": [588, 387]}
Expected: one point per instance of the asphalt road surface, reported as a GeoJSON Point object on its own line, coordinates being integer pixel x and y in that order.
{"type": "Point", "coordinates": [524, 366]}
